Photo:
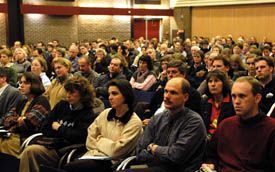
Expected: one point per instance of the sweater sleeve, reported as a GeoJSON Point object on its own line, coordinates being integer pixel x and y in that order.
{"type": "Point", "coordinates": [189, 140]}
{"type": "Point", "coordinates": [146, 85]}
{"type": "Point", "coordinates": [125, 143]}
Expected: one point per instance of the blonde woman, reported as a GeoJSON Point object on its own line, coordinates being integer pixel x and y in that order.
{"type": "Point", "coordinates": [56, 91]}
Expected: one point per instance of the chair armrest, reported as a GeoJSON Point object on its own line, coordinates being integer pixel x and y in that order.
{"type": "Point", "coordinates": [28, 140]}
{"type": "Point", "coordinates": [125, 162]}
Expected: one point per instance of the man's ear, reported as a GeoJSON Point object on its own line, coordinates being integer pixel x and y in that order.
{"type": "Point", "coordinates": [186, 97]}
{"type": "Point", "coordinates": [258, 98]}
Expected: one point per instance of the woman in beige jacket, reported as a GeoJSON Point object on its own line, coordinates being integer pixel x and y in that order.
{"type": "Point", "coordinates": [114, 133]}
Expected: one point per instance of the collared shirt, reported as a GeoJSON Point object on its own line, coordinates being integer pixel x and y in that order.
{"type": "Point", "coordinates": [216, 113]}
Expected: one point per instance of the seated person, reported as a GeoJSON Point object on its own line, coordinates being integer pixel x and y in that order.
{"type": "Point", "coordinates": [66, 124]}
{"type": "Point", "coordinates": [114, 133]}
{"type": "Point", "coordinates": [175, 139]}
{"type": "Point", "coordinates": [56, 92]}
{"type": "Point", "coordinates": [217, 104]}
{"type": "Point", "coordinates": [24, 119]}
{"type": "Point", "coordinates": [246, 141]}
{"type": "Point", "coordinates": [144, 77]}
{"type": "Point", "coordinates": [9, 96]}
{"type": "Point", "coordinates": [115, 72]}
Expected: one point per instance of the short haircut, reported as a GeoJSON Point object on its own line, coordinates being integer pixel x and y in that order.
{"type": "Point", "coordinates": [62, 61]}
{"type": "Point", "coordinates": [255, 84]}
{"type": "Point", "coordinates": [42, 62]}
{"type": "Point", "coordinates": [148, 60]}
{"type": "Point", "coordinates": [86, 58]}
{"type": "Point", "coordinates": [4, 72]}
{"type": "Point", "coordinates": [238, 45]}
{"type": "Point", "coordinates": [37, 87]}
{"type": "Point", "coordinates": [101, 50]}
{"type": "Point", "coordinates": [222, 58]}
{"type": "Point", "coordinates": [7, 52]}
{"type": "Point", "coordinates": [185, 85]}
{"type": "Point", "coordinates": [221, 76]}
{"type": "Point", "coordinates": [126, 90]}
{"type": "Point", "coordinates": [179, 65]}
{"type": "Point", "coordinates": [22, 50]}
{"type": "Point", "coordinates": [85, 89]}
{"type": "Point", "coordinates": [268, 60]}
{"type": "Point", "coordinates": [124, 62]}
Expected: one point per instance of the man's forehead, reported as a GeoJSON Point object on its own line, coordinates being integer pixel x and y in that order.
{"type": "Point", "coordinates": [261, 62]}
{"type": "Point", "coordinates": [220, 62]}
{"type": "Point", "coordinates": [241, 87]}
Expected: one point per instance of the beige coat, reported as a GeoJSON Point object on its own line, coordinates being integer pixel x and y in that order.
{"type": "Point", "coordinates": [113, 138]}
{"type": "Point", "coordinates": [55, 93]}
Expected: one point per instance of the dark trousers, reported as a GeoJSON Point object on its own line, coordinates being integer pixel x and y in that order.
{"type": "Point", "coordinates": [8, 163]}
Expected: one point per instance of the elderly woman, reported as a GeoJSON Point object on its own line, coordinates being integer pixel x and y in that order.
{"type": "Point", "coordinates": [21, 63]}
{"type": "Point", "coordinates": [39, 67]}
{"type": "Point", "coordinates": [218, 104]}
{"type": "Point", "coordinates": [114, 133]}
{"type": "Point", "coordinates": [24, 119]}
{"type": "Point", "coordinates": [66, 124]}
{"type": "Point", "coordinates": [144, 78]}
{"type": "Point", "coordinates": [56, 91]}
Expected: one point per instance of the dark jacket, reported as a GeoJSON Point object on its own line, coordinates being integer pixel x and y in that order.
{"type": "Point", "coordinates": [268, 96]}
{"type": "Point", "coordinates": [9, 99]}
{"type": "Point", "coordinates": [181, 141]}
{"type": "Point", "coordinates": [74, 123]}
{"type": "Point", "coordinates": [102, 82]}
{"type": "Point", "coordinates": [227, 110]}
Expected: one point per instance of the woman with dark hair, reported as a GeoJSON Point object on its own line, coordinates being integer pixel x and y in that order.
{"type": "Point", "coordinates": [114, 133]}
{"type": "Point", "coordinates": [25, 119]}
{"type": "Point", "coordinates": [144, 77]}
{"type": "Point", "coordinates": [218, 104]}
{"type": "Point", "coordinates": [65, 125]}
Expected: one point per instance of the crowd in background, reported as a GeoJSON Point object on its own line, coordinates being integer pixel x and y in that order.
{"type": "Point", "coordinates": [210, 65]}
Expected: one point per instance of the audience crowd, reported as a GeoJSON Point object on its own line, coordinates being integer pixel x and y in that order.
{"type": "Point", "coordinates": [209, 104]}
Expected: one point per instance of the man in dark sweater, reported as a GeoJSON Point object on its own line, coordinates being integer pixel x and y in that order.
{"type": "Point", "coordinates": [245, 142]}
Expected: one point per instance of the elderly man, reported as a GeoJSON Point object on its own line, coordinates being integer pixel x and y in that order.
{"type": "Point", "coordinates": [175, 139]}
{"type": "Point", "coordinates": [73, 57]}
{"type": "Point", "coordinates": [245, 142]}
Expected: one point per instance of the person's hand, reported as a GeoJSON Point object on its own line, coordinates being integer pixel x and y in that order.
{"type": "Point", "coordinates": [163, 75]}
{"type": "Point", "coordinates": [152, 148]}
{"type": "Point", "coordinates": [98, 137]}
{"type": "Point", "coordinates": [145, 122]}
{"type": "Point", "coordinates": [55, 125]}
{"type": "Point", "coordinates": [200, 73]}
{"type": "Point", "coordinates": [41, 109]}
{"type": "Point", "coordinates": [208, 167]}
{"type": "Point", "coordinates": [20, 120]}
